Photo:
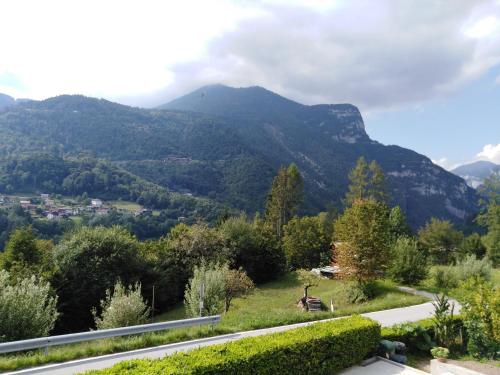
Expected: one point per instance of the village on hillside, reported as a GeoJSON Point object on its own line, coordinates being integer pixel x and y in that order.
{"type": "Point", "coordinates": [54, 207]}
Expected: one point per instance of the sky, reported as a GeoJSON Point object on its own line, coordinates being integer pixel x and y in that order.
{"type": "Point", "coordinates": [425, 74]}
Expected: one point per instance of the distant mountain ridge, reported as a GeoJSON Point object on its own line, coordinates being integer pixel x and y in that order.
{"type": "Point", "coordinates": [6, 101]}
{"type": "Point", "coordinates": [226, 144]}
{"type": "Point", "coordinates": [474, 173]}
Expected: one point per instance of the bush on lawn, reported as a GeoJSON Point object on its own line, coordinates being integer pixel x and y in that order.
{"type": "Point", "coordinates": [409, 264]}
{"type": "Point", "coordinates": [122, 308]}
{"type": "Point", "coordinates": [27, 308]}
{"type": "Point", "coordinates": [321, 348]}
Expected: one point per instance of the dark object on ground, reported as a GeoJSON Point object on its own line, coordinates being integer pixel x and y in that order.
{"type": "Point", "coordinates": [393, 350]}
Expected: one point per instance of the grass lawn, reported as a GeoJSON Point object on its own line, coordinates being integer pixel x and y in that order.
{"type": "Point", "coordinates": [269, 305]}
{"type": "Point", "coordinates": [125, 205]}
{"type": "Point", "coordinates": [275, 303]}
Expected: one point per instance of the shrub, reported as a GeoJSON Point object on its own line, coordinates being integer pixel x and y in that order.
{"type": "Point", "coordinates": [213, 279]}
{"type": "Point", "coordinates": [124, 307]}
{"type": "Point", "coordinates": [444, 277]}
{"type": "Point", "coordinates": [409, 264]}
{"type": "Point", "coordinates": [417, 336]}
{"type": "Point", "coordinates": [237, 284]}
{"type": "Point", "coordinates": [320, 348]}
{"type": "Point", "coordinates": [27, 309]}
{"type": "Point", "coordinates": [356, 292]}
{"type": "Point", "coordinates": [444, 329]}
{"type": "Point", "coordinates": [470, 267]}
{"type": "Point", "coordinates": [481, 310]}
{"type": "Point", "coordinates": [440, 352]}
{"type": "Point", "coordinates": [220, 286]}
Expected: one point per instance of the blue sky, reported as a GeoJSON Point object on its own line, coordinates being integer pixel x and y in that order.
{"type": "Point", "coordinates": [450, 130]}
{"type": "Point", "coordinates": [425, 73]}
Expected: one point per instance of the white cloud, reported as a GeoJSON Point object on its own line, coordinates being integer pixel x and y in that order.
{"type": "Point", "coordinates": [374, 54]}
{"type": "Point", "coordinates": [445, 163]}
{"type": "Point", "coordinates": [491, 153]}
{"type": "Point", "coordinates": [482, 28]}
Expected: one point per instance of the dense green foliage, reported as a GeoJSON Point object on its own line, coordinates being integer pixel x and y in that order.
{"type": "Point", "coordinates": [363, 235]}
{"type": "Point", "coordinates": [27, 308]}
{"type": "Point", "coordinates": [228, 152]}
{"type": "Point", "coordinates": [253, 247]}
{"type": "Point", "coordinates": [15, 217]}
{"type": "Point", "coordinates": [212, 278]}
{"type": "Point", "coordinates": [284, 198]}
{"type": "Point", "coordinates": [306, 241]}
{"type": "Point", "coordinates": [88, 263]}
{"type": "Point", "coordinates": [409, 264]}
{"type": "Point", "coordinates": [481, 310]}
{"type": "Point", "coordinates": [322, 348]}
{"type": "Point", "coordinates": [122, 307]}
{"type": "Point", "coordinates": [440, 240]}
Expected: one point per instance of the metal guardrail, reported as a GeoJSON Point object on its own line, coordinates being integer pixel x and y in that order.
{"type": "Point", "coordinates": [45, 342]}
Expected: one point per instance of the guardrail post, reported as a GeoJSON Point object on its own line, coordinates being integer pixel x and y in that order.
{"type": "Point", "coordinates": [46, 350]}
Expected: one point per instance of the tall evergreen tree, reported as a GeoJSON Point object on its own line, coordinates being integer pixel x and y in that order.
{"type": "Point", "coordinates": [359, 182]}
{"type": "Point", "coordinates": [284, 198]}
{"type": "Point", "coordinates": [367, 181]}
{"type": "Point", "coordinates": [378, 186]}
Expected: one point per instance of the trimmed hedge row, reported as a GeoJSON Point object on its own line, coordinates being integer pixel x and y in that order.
{"type": "Point", "coordinates": [320, 348]}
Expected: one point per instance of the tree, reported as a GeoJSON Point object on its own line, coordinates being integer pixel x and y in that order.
{"type": "Point", "coordinates": [237, 284]}
{"type": "Point", "coordinates": [308, 280]}
{"type": "Point", "coordinates": [306, 241]}
{"type": "Point", "coordinates": [378, 184]}
{"type": "Point", "coordinates": [397, 224]}
{"type": "Point", "coordinates": [22, 256]}
{"type": "Point", "coordinates": [253, 247]}
{"type": "Point", "coordinates": [359, 182]}
{"type": "Point", "coordinates": [218, 284]}
{"type": "Point", "coordinates": [122, 308]}
{"type": "Point", "coordinates": [409, 264]}
{"type": "Point", "coordinates": [472, 245]}
{"type": "Point", "coordinates": [284, 198]}
{"type": "Point", "coordinates": [440, 240]}
{"type": "Point", "coordinates": [88, 263]}
{"type": "Point", "coordinates": [367, 181]}
{"type": "Point", "coordinates": [27, 308]}
{"type": "Point", "coordinates": [362, 233]}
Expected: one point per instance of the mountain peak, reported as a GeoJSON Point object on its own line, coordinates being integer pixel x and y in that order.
{"type": "Point", "coordinates": [474, 173]}
{"type": "Point", "coordinates": [6, 101]}
{"type": "Point", "coordinates": [340, 122]}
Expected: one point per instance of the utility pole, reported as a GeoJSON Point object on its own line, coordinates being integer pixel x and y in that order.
{"type": "Point", "coordinates": [153, 305]}
{"type": "Point", "coordinates": [202, 296]}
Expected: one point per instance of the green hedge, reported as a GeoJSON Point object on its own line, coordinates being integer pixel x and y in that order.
{"type": "Point", "coordinates": [320, 348]}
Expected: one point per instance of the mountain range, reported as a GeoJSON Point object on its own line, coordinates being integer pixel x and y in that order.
{"type": "Point", "coordinates": [475, 173]}
{"type": "Point", "coordinates": [225, 145]}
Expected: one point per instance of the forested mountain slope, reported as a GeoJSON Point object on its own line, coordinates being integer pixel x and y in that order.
{"type": "Point", "coordinates": [226, 144]}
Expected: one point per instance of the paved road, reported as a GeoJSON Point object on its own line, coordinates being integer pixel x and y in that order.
{"type": "Point", "coordinates": [385, 318]}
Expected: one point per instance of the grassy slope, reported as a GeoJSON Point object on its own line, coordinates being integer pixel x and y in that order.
{"type": "Point", "coordinates": [271, 304]}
